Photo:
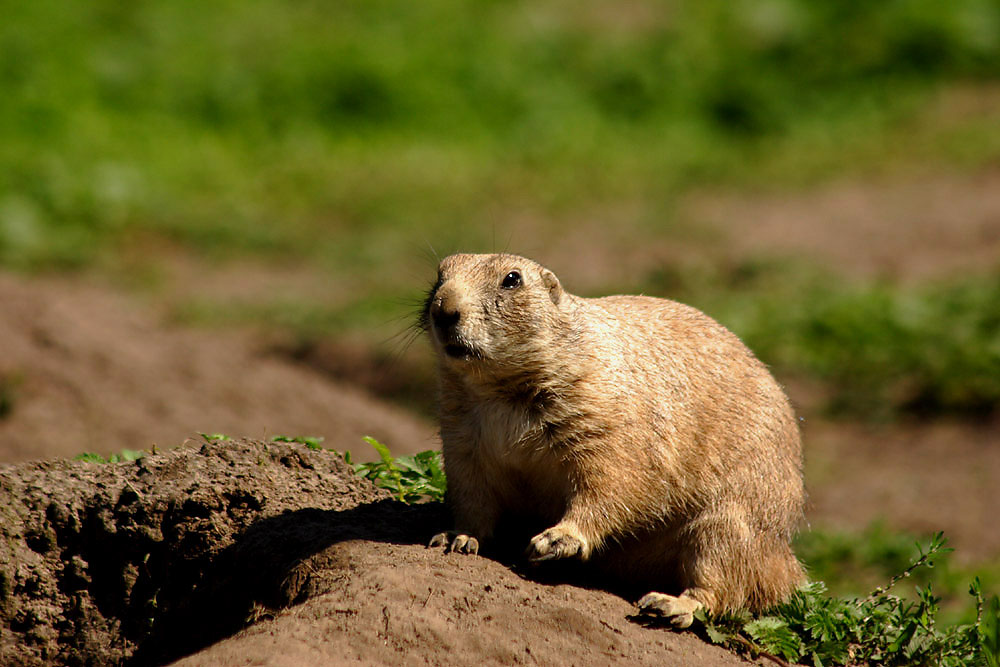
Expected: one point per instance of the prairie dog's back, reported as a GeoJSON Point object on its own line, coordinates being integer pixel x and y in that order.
{"type": "Point", "coordinates": [719, 411]}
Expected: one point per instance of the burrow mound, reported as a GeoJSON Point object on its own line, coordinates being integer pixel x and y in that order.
{"type": "Point", "coordinates": [278, 554]}
{"type": "Point", "coordinates": [145, 561]}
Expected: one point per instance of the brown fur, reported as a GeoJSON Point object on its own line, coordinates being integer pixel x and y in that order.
{"type": "Point", "coordinates": [643, 432]}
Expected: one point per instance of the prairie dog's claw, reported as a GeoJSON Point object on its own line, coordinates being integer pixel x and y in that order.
{"type": "Point", "coordinates": [454, 541]}
{"type": "Point", "coordinates": [556, 542]}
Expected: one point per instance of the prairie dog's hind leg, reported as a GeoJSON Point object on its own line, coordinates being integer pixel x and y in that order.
{"type": "Point", "coordinates": [714, 550]}
{"type": "Point", "coordinates": [726, 566]}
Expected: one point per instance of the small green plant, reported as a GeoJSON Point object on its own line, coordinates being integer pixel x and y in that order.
{"type": "Point", "coordinates": [409, 478]}
{"type": "Point", "coordinates": [852, 562]}
{"type": "Point", "coordinates": [881, 628]}
{"type": "Point", "coordinates": [124, 455]}
{"type": "Point", "coordinates": [214, 437]}
{"type": "Point", "coordinates": [989, 633]}
{"type": "Point", "coordinates": [310, 441]}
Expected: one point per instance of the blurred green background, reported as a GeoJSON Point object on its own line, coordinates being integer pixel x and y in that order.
{"type": "Point", "coordinates": [335, 148]}
{"type": "Point", "coordinates": [345, 133]}
{"type": "Point", "coordinates": [349, 137]}
{"type": "Point", "coordinates": [356, 138]}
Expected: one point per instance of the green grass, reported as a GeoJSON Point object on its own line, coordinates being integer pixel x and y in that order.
{"type": "Point", "coordinates": [346, 135]}
{"type": "Point", "coordinates": [882, 350]}
{"type": "Point", "coordinates": [852, 563]}
{"type": "Point", "coordinates": [305, 318]}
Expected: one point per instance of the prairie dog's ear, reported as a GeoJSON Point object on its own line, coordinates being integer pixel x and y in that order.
{"type": "Point", "coordinates": [552, 285]}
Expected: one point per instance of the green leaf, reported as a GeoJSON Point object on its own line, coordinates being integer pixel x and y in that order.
{"type": "Point", "coordinates": [716, 634]}
{"type": "Point", "coordinates": [904, 637]}
{"type": "Point", "coordinates": [989, 632]}
{"type": "Point", "coordinates": [409, 478]}
{"type": "Point", "coordinates": [126, 455]}
{"type": "Point", "coordinates": [90, 457]}
{"type": "Point", "coordinates": [383, 451]}
{"type": "Point", "coordinates": [311, 442]}
{"type": "Point", "coordinates": [718, 629]}
{"type": "Point", "coordinates": [776, 637]}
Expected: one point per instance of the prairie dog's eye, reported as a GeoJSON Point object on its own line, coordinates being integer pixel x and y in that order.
{"type": "Point", "coordinates": [512, 280]}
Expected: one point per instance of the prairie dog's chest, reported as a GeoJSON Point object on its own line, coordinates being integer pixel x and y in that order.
{"type": "Point", "coordinates": [511, 447]}
{"type": "Point", "coordinates": [501, 432]}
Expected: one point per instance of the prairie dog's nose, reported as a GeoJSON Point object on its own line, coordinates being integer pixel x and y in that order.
{"type": "Point", "coordinates": [444, 318]}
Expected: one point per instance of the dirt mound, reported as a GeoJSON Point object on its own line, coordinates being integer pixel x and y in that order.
{"type": "Point", "coordinates": [148, 561]}
{"type": "Point", "coordinates": [103, 562]}
{"type": "Point", "coordinates": [395, 604]}
{"type": "Point", "coordinates": [85, 369]}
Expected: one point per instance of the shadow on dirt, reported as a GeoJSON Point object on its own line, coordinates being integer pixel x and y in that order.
{"type": "Point", "coordinates": [278, 562]}
{"type": "Point", "coordinates": [284, 560]}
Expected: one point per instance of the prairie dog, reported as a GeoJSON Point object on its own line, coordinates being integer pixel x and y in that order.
{"type": "Point", "coordinates": [643, 433]}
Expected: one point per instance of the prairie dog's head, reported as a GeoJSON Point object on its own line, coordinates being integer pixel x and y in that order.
{"type": "Point", "coordinates": [491, 310]}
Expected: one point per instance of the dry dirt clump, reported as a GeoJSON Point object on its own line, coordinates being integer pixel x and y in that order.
{"type": "Point", "coordinates": [150, 559]}
{"type": "Point", "coordinates": [246, 552]}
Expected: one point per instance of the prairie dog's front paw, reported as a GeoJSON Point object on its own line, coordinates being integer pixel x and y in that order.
{"type": "Point", "coordinates": [559, 541]}
{"type": "Point", "coordinates": [455, 541]}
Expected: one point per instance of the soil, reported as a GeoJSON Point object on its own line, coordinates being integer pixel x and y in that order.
{"type": "Point", "coordinates": [935, 226]}
{"type": "Point", "coordinates": [917, 477]}
{"type": "Point", "coordinates": [150, 561]}
{"type": "Point", "coordinates": [86, 369]}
